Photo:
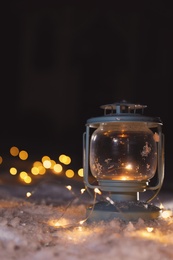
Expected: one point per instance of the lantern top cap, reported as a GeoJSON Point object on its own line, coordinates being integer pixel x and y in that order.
{"type": "Point", "coordinates": [123, 107]}
{"type": "Point", "coordinates": [123, 112]}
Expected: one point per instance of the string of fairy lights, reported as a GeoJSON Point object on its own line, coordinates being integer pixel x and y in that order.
{"type": "Point", "coordinates": [59, 167]}
{"type": "Point", "coordinates": [39, 167]}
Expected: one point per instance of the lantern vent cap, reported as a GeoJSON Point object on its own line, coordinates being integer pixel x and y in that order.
{"type": "Point", "coordinates": [124, 112]}
{"type": "Point", "coordinates": [122, 107]}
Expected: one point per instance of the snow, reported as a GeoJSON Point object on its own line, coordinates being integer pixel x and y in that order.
{"type": "Point", "coordinates": [48, 225]}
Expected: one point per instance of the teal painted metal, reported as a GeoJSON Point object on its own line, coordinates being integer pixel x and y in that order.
{"type": "Point", "coordinates": [126, 191]}
{"type": "Point", "coordinates": [126, 211]}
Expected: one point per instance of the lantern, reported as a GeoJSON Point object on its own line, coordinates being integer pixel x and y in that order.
{"type": "Point", "coordinates": [123, 151]}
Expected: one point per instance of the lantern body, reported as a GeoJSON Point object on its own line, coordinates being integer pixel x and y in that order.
{"type": "Point", "coordinates": [123, 151]}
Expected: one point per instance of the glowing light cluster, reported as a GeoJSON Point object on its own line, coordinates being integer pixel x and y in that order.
{"type": "Point", "coordinates": [39, 167]}
{"type": "Point", "coordinates": [61, 166]}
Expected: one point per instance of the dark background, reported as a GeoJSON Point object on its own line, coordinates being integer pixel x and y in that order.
{"type": "Point", "coordinates": [62, 60]}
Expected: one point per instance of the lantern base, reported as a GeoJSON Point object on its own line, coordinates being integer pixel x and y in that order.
{"type": "Point", "coordinates": [125, 210]}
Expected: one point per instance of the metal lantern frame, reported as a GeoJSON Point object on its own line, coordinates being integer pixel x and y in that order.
{"type": "Point", "coordinates": [126, 190]}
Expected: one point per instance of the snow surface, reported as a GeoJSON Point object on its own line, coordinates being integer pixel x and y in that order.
{"type": "Point", "coordinates": [47, 225]}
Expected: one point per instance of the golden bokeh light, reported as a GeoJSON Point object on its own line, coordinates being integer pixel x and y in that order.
{"type": "Point", "coordinates": [39, 167]}
{"type": "Point", "coordinates": [64, 159]}
{"type": "Point", "coordinates": [47, 164]}
{"type": "Point", "coordinates": [80, 172]}
{"type": "Point", "coordinates": [23, 155]}
{"type": "Point", "coordinates": [28, 180]}
{"type": "Point", "coordinates": [69, 173]}
{"type": "Point", "coordinates": [23, 174]}
{"type": "Point", "coordinates": [13, 171]}
{"type": "Point", "coordinates": [25, 177]}
{"type": "Point", "coordinates": [42, 170]}
{"type": "Point", "coordinates": [37, 163]}
{"type": "Point", "coordinates": [28, 194]}
{"type": "Point", "coordinates": [14, 151]}
{"type": "Point", "coordinates": [35, 170]}
{"type": "Point", "coordinates": [52, 164]}
{"type": "Point", "coordinates": [45, 158]}
{"type": "Point", "coordinates": [57, 168]}
{"type": "Point", "coordinates": [1, 160]}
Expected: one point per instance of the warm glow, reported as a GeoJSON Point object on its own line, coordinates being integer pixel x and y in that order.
{"type": "Point", "coordinates": [14, 151]}
{"type": "Point", "coordinates": [64, 159]}
{"type": "Point", "coordinates": [82, 191]}
{"type": "Point", "coordinates": [37, 163]}
{"type": "Point", "coordinates": [52, 164]}
{"type": "Point", "coordinates": [41, 169]}
{"type": "Point", "coordinates": [25, 177]}
{"type": "Point", "coordinates": [161, 206]}
{"type": "Point", "coordinates": [69, 173]}
{"type": "Point", "coordinates": [123, 178]}
{"type": "Point", "coordinates": [166, 214]}
{"type": "Point", "coordinates": [35, 170]}
{"type": "Point", "coordinates": [77, 234]}
{"type": "Point", "coordinates": [123, 135]}
{"type": "Point", "coordinates": [57, 168]}
{"type": "Point", "coordinates": [28, 194]}
{"type": "Point", "coordinates": [38, 166]}
{"type": "Point", "coordinates": [47, 164]}
{"type": "Point", "coordinates": [23, 174]}
{"type": "Point", "coordinates": [128, 167]}
{"type": "Point", "coordinates": [80, 172]}
{"type": "Point", "coordinates": [58, 223]}
{"type": "Point", "coordinates": [153, 234]}
{"type": "Point", "coordinates": [96, 190]}
{"type": "Point", "coordinates": [23, 155]}
{"type": "Point", "coordinates": [81, 222]}
{"type": "Point", "coordinates": [156, 137]}
{"type": "Point", "coordinates": [150, 229]}
{"type": "Point", "coordinates": [45, 158]}
{"type": "Point", "coordinates": [145, 234]}
{"type": "Point", "coordinates": [69, 187]}
{"type": "Point", "coordinates": [13, 171]}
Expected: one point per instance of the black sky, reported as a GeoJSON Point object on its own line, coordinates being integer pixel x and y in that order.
{"type": "Point", "coordinates": [85, 54]}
